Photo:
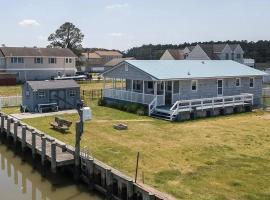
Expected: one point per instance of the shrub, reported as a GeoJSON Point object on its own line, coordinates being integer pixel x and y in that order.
{"type": "Point", "coordinates": [101, 102]}
{"type": "Point", "coordinates": [132, 108]}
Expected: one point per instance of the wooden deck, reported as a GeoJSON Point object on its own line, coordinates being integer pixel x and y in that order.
{"type": "Point", "coordinates": [50, 149]}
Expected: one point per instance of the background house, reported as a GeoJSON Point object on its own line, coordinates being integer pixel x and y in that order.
{"type": "Point", "coordinates": [115, 62]}
{"type": "Point", "coordinates": [206, 52]}
{"type": "Point", "coordinates": [37, 63]}
{"type": "Point", "coordinates": [95, 61]}
{"type": "Point", "coordinates": [64, 93]}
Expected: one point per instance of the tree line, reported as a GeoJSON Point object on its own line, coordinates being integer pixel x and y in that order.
{"type": "Point", "coordinates": [260, 50]}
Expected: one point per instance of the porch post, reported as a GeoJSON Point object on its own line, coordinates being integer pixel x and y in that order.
{"type": "Point", "coordinates": [164, 85]}
{"type": "Point", "coordinates": [172, 91]}
{"type": "Point", "coordinates": [122, 83]}
{"type": "Point", "coordinates": [155, 88]}
{"type": "Point", "coordinates": [143, 93]}
{"type": "Point", "coordinates": [104, 83]}
{"type": "Point", "coordinates": [132, 85]}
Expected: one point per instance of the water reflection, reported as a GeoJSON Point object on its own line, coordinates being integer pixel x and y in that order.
{"type": "Point", "coordinates": [18, 180]}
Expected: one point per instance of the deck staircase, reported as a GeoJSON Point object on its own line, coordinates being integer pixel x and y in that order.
{"type": "Point", "coordinates": [164, 113]}
{"type": "Point", "coordinates": [170, 113]}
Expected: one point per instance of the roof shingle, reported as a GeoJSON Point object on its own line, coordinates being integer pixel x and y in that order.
{"type": "Point", "coordinates": [52, 84]}
{"type": "Point", "coordinates": [36, 52]}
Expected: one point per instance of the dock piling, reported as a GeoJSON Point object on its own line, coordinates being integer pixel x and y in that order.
{"type": "Point", "coordinates": [53, 157]}
{"type": "Point", "coordinates": [33, 144]}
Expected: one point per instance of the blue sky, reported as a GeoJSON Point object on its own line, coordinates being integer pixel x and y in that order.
{"type": "Point", "coordinates": [123, 24]}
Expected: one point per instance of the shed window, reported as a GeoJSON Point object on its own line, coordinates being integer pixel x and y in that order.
{"type": "Point", "coordinates": [238, 82]}
{"type": "Point", "coordinates": [72, 93]}
{"type": "Point", "coordinates": [251, 82]}
{"type": "Point", "coordinates": [52, 60]}
{"type": "Point", "coordinates": [194, 85]}
{"type": "Point", "coordinates": [41, 94]}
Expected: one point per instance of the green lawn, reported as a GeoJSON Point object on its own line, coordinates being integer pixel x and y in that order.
{"type": "Point", "coordinates": [217, 158]}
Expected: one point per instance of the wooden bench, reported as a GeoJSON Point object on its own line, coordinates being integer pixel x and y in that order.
{"type": "Point", "coordinates": [47, 107]}
{"type": "Point", "coordinates": [61, 124]}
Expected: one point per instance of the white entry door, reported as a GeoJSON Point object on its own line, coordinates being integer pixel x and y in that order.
{"type": "Point", "coordinates": [219, 87]}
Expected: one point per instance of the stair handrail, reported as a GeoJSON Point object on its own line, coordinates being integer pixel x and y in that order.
{"type": "Point", "coordinates": [152, 106]}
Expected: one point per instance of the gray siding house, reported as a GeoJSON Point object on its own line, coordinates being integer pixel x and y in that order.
{"type": "Point", "coordinates": [170, 83]}
{"type": "Point", "coordinates": [65, 94]}
{"type": "Point", "coordinates": [37, 63]}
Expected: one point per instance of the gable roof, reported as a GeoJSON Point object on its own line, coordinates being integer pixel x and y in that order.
{"type": "Point", "coordinates": [36, 52]}
{"type": "Point", "coordinates": [116, 61]}
{"type": "Point", "coordinates": [218, 48]}
{"type": "Point", "coordinates": [177, 54]}
{"type": "Point", "coordinates": [1, 54]}
{"type": "Point", "coordinates": [108, 53]}
{"type": "Point", "coordinates": [91, 55]}
{"type": "Point", "coordinates": [190, 69]}
{"type": "Point", "coordinates": [52, 84]}
{"type": "Point", "coordinates": [233, 46]}
{"type": "Point", "coordinates": [191, 47]}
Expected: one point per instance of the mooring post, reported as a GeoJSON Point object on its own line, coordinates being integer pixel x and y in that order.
{"type": "Point", "coordinates": [8, 126]}
{"type": "Point", "coordinates": [53, 157]}
{"type": "Point", "coordinates": [33, 144]}
{"type": "Point", "coordinates": [91, 174]}
{"type": "Point", "coordinates": [23, 138]}
{"type": "Point", "coordinates": [43, 150]}
{"type": "Point", "coordinates": [2, 123]}
{"type": "Point", "coordinates": [15, 132]}
{"type": "Point", "coordinates": [151, 196]}
{"type": "Point", "coordinates": [108, 183]}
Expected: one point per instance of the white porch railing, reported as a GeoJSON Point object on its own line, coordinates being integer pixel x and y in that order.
{"type": "Point", "coordinates": [215, 102]}
{"type": "Point", "coordinates": [130, 96]}
{"type": "Point", "coordinates": [10, 101]}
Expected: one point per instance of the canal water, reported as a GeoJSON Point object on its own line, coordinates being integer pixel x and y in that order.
{"type": "Point", "coordinates": [19, 180]}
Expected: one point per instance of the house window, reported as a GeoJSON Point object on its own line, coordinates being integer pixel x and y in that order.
{"type": "Point", "coordinates": [194, 85]}
{"type": "Point", "coordinates": [238, 56]}
{"type": "Point", "coordinates": [126, 68]}
{"type": "Point", "coordinates": [150, 85]}
{"type": "Point", "coordinates": [232, 56]}
{"type": "Point", "coordinates": [52, 60]}
{"type": "Point", "coordinates": [72, 93]}
{"type": "Point", "coordinates": [251, 82]}
{"type": "Point", "coordinates": [17, 60]}
{"type": "Point", "coordinates": [66, 60]}
{"type": "Point", "coordinates": [20, 60]}
{"type": "Point", "coordinates": [27, 93]}
{"type": "Point", "coordinates": [41, 94]}
{"type": "Point", "coordinates": [238, 82]}
{"type": "Point", "coordinates": [70, 60]}
{"type": "Point", "coordinates": [219, 87]}
{"type": "Point", "coordinates": [227, 56]}
{"type": "Point", "coordinates": [137, 85]}
{"type": "Point", "coordinates": [38, 60]}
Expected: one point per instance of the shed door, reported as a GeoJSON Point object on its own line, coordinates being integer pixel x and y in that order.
{"type": "Point", "coordinates": [53, 97]}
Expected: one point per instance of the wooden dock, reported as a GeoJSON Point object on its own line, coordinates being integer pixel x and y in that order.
{"type": "Point", "coordinates": [50, 149]}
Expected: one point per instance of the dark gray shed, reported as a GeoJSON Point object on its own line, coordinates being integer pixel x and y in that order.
{"type": "Point", "coordinates": [65, 94]}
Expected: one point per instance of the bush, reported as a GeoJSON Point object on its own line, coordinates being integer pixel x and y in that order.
{"type": "Point", "coordinates": [101, 102]}
{"type": "Point", "coordinates": [132, 108]}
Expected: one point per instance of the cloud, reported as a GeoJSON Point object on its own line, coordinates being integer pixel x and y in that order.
{"type": "Point", "coordinates": [116, 34]}
{"type": "Point", "coordinates": [117, 6]}
{"type": "Point", "coordinates": [29, 23]}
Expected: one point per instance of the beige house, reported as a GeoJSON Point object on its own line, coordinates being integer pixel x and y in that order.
{"type": "Point", "coordinates": [206, 52]}
{"type": "Point", "coordinates": [95, 61]}
{"type": "Point", "coordinates": [37, 63]}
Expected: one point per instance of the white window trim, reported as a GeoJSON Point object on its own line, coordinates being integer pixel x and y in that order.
{"type": "Point", "coordinates": [239, 82]}
{"type": "Point", "coordinates": [49, 60]}
{"type": "Point", "coordinates": [196, 81]}
{"type": "Point", "coordinates": [40, 59]}
{"type": "Point", "coordinates": [72, 93]}
{"type": "Point", "coordinates": [126, 67]}
{"type": "Point", "coordinates": [253, 82]}
{"type": "Point", "coordinates": [222, 87]}
{"type": "Point", "coordinates": [41, 94]}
